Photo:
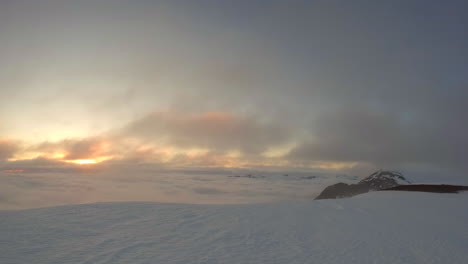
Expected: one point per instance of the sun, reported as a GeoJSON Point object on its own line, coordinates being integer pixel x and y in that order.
{"type": "Point", "coordinates": [83, 161]}
{"type": "Point", "coordinates": [89, 161]}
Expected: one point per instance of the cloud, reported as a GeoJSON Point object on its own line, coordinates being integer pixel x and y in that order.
{"type": "Point", "coordinates": [7, 149]}
{"type": "Point", "coordinates": [205, 190]}
{"type": "Point", "coordinates": [44, 165]}
{"type": "Point", "coordinates": [75, 149]}
{"type": "Point", "coordinates": [83, 149]}
{"type": "Point", "coordinates": [24, 190]}
{"type": "Point", "coordinates": [221, 131]}
{"type": "Point", "coordinates": [356, 133]}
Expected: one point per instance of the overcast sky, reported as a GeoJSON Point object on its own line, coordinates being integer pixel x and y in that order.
{"type": "Point", "coordinates": [309, 85]}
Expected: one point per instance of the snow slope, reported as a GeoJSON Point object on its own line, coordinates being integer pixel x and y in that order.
{"type": "Point", "coordinates": [378, 227]}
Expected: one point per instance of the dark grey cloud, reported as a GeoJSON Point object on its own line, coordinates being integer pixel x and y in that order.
{"type": "Point", "coordinates": [360, 134]}
{"type": "Point", "coordinates": [219, 131]}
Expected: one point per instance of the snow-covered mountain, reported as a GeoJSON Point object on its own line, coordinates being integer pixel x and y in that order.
{"type": "Point", "coordinates": [377, 227]}
{"type": "Point", "coordinates": [382, 179]}
{"type": "Point", "coordinates": [378, 180]}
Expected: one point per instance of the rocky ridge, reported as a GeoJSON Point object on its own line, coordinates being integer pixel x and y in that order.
{"type": "Point", "coordinates": [377, 181]}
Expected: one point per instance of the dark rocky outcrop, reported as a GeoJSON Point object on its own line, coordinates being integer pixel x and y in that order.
{"type": "Point", "coordinates": [434, 188]}
{"type": "Point", "coordinates": [378, 180]}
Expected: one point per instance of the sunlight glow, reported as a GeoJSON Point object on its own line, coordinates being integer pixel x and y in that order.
{"type": "Point", "coordinates": [83, 161]}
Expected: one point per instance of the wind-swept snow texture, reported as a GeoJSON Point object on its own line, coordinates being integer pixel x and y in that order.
{"type": "Point", "coordinates": [377, 227]}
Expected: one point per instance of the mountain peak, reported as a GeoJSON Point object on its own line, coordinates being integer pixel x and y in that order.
{"type": "Point", "coordinates": [384, 175]}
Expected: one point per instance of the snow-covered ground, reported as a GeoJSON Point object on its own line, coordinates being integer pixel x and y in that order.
{"type": "Point", "coordinates": [378, 227]}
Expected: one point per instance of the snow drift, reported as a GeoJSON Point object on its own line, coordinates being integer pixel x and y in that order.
{"type": "Point", "coordinates": [377, 227]}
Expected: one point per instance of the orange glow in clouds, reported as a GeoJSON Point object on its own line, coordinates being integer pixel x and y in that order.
{"type": "Point", "coordinates": [83, 161]}
{"type": "Point", "coordinates": [94, 160]}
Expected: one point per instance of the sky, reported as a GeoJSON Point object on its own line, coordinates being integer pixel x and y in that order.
{"type": "Point", "coordinates": [339, 87]}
